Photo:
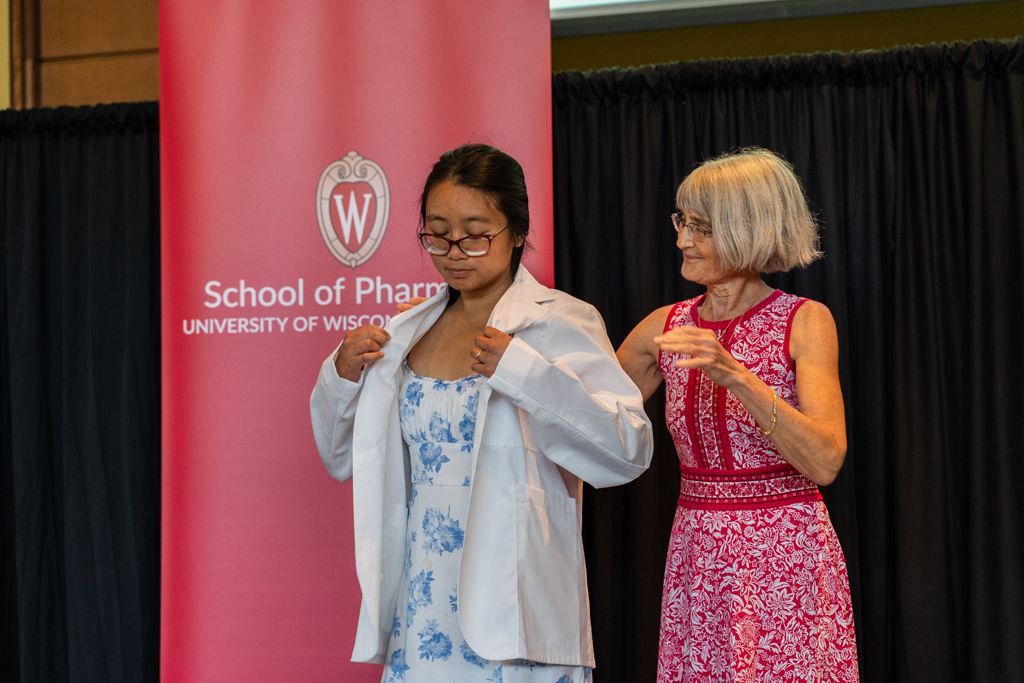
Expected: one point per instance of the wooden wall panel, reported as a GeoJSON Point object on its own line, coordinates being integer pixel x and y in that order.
{"type": "Point", "coordinates": [98, 80]}
{"type": "Point", "coordinates": [24, 34]}
{"type": "Point", "coordinates": [71, 28]}
{"type": "Point", "coordinates": [5, 54]}
{"type": "Point", "coordinates": [83, 52]}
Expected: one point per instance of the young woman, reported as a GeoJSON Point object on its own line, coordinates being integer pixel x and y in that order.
{"type": "Point", "coordinates": [468, 425]}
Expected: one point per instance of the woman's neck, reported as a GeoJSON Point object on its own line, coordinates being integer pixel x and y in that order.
{"type": "Point", "coordinates": [734, 297]}
{"type": "Point", "coordinates": [475, 307]}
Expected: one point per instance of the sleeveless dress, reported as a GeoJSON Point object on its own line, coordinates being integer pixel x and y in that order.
{"type": "Point", "coordinates": [756, 587]}
{"type": "Point", "coordinates": [438, 420]}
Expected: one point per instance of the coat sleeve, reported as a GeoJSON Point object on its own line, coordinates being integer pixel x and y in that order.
{"type": "Point", "coordinates": [586, 414]}
{"type": "Point", "coordinates": [332, 407]}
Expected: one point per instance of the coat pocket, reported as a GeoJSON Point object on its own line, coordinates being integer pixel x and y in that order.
{"type": "Point", "coordinates": [549, 573]}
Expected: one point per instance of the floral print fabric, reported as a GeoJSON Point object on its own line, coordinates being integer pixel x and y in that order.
{"type": "Point", "coordinates": [438, 421]}
{"type": "Point", "coordinates": [753, 595]}
{"type": "Point", "coordinates": [756, 595]}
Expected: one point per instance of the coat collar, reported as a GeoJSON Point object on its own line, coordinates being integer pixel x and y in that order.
{"type": "Point", "coordinates": [519, 307]}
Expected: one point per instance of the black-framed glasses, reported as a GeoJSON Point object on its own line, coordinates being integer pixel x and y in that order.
{"type": "Point", "coordinates": [470, 245]}
{"type": "Point", "coordinates": [697, 232]}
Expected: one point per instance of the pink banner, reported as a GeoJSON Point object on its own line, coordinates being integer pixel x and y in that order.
{"type": "Point", "coordinates": [295, 141]}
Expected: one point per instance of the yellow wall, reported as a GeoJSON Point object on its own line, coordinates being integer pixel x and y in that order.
{"type": "Point", "coordinates": [869, 31]}
{"type": "Point", "coordinates": [5, 54]}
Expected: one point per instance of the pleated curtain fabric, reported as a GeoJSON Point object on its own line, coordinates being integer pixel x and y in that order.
{"type": "Point", "coordinates": [914, 161]}
{"type": "Point", "coordinates": [957, 383]}
{"type": "Point", "coordinates": [80, 394]}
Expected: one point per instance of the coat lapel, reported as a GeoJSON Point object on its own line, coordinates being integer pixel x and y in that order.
{"type": "Point", "coordinates": [521, 306]}
{"type": "Point", "coordinates": [378, 469]}
{"type": "Point", "coordinates": [380, 387]}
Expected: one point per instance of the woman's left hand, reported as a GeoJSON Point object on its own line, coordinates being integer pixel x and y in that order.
{"type": "Point", "coordinates": [705, 353]}
{"type": "Point", "coordinates": [411, 304]}
{"type": "Point", "coordinates": [490, 347]}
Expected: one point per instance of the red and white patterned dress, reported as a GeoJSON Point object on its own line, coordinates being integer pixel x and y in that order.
{"type": "Point", "coordinates": [755, 582]}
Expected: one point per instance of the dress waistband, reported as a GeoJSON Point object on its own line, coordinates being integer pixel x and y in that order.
{"type": "Point", "coordinates": [764, 487]}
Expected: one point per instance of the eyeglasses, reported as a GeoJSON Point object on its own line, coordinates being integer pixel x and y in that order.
{"type": "Point", "coordinates": [471, 245]}
{"type": "Point", "coordinates": [697, 232]}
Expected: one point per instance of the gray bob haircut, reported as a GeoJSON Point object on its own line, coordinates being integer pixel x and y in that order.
{"type": "Point", "coordinates": [756, 208]}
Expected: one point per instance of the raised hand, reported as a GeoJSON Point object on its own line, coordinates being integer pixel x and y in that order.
{"type": "Point", "coordinates": [490, 347]}
{"type": "Point", "coordinates": [360, 346]}
{"type": "Point", "coordinates": [702, 351]}
{"type": "Point", "coordinates": [413, 303]}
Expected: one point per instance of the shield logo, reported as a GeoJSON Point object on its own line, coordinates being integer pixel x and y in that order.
{"type": "Point", "coordinates": [352, 203]}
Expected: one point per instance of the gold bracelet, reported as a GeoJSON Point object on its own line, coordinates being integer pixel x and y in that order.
{"type": "Point", "coordinates": [775, 415]}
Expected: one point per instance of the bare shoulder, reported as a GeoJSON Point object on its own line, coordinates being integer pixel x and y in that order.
{"type": "Point", "coordinates": [814, 331]}
{"type": "Point", "coordinates": [655, 321]}
{"type": "Point", "coordinates": [653, 324]}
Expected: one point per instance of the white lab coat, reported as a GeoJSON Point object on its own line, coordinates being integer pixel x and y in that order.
{"type": "Point", "coordinates": [557, 410]}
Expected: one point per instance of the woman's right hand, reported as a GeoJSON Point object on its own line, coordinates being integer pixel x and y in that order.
{"type": "Point", "coordinates": [360, 346]}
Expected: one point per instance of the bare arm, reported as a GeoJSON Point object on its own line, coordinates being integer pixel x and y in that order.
{"type": "Point", "coordinates": [813, 438]}
{"type": "Point", "coordinates": [638, 354]}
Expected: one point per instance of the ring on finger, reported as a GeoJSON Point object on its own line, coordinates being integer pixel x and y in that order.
{"type": "Point", "coordinates": [477, 355]}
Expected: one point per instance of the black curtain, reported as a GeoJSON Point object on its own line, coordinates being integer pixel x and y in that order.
{"type": "Point", "coordinates": [914, 161]}
{"type": "Point", "coordinates": [80, 394]}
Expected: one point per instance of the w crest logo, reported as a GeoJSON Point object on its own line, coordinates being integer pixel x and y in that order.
{"type": "Point", "coordinates": [352, 206]}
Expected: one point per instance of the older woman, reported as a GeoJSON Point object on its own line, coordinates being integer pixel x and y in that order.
{"type": "Point", "coordinates": [755, 582]}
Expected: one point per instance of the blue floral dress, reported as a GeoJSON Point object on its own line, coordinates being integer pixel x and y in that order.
{"type": "Point", "coordinates": [438, 420]}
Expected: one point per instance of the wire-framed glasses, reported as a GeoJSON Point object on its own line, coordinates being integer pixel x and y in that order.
{"type": "Point", "coordinates": [697, 232]}
{"type": "Point", "coordinates": [470, 245]}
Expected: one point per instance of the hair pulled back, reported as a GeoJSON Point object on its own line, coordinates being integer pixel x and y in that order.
{"type": "Point", "coordinates": [494, 173]}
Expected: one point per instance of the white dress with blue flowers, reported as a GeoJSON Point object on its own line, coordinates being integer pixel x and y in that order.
{"type": "Point", "coordinates": [438, 420]}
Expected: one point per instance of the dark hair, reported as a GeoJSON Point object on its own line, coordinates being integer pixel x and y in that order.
{"type": "Point", "coordinates": [494, 173]}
